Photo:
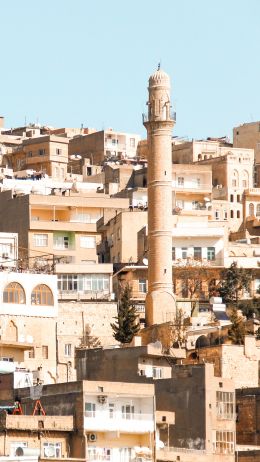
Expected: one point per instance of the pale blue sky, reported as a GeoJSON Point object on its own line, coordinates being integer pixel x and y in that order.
{"type": "Point", "coordinates": [67, 62]}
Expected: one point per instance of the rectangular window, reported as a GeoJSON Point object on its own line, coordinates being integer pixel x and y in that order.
{"type": "Point", "coordinates": [217, 214]}
{"type": "Point", "coordinates": [225, 405]}
{"type": "Point", "coordinates": [88, 242]}
{"type": "Point", "coordinates": [197, 253]}
{"type": "Point", "coordinates": [224, 442]}
{"type": "Point", "coordinates": [225, 214]}
{"type": "Point", "coordinates": [31, 354]}
{"type": "Point", "coordinates": [90, 409]}
{"type": "Point", "coordinates": [29, 154]}
{"type": "Point", "coordinates": [173, 253]}
{"type": "Point", "coordinates": [61, 242]}
{"type": "Point", "coordinates": [157, 372]}
{"type": "Point", "coordinates": [128, 411]}
{"type": "Point", "coordinates": [52, 450]}
{"type": "Point", "coordinates": [45, 352]}
{"type": "Point", "coordinates": [244, 183]}
{"type": "Point", "coordinates": [184, 252]}
{"type": "Point", "coordinates": [132, 142]}
{"type": "Point", "coordinates": [67, 349]}
{"type": "Point", "coordinates": [231, 197]}
{"type": "Point", "coordinates": [142, 285]}
{"type": "Point", "coordinates": [111, 409]}
{"type": "Point", "coordinates": [211, 255]}
{"type": "Point", "coordinates": [83, 282]}
{"type": "Point", "coordinates": [41, 152]}
{"type": "Point", "coordinates": [180, 181]}
{"type": "Point", "coordinates": [58, 151]}
{"type": "Point", "coordinates": [234, 183]}
{"type": "Point", "coordinates": [40, 240]}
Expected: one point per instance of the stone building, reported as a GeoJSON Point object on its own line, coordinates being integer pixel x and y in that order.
{"type": "Point", "coordinates": [104, 145]}
{"type": "Point", "coordinates": [111, 421]}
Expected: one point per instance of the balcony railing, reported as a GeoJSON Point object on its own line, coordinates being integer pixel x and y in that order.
{"type": "Point", "coordinates": [192, 186]}
{"type": "Point", "coordinates": [127, 422]}
{"type": "Point", "coordinates": [146, 117]}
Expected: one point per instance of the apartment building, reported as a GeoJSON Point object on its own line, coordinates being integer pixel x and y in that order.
{"type": "Point", "coordinates": [113, 421]}
{"type": "Point", "coordinates": [198, 408]}
{"type": "Point", "coordinates": [185, 152]}
{"type": "Point", "coordinates": [59, 233]}
{"type": "Point", "coordinates": [105, 145]}
{"type": "Point", "coordinates": [47, 154]}
{"type": "Point", "coordinates": [28, 314]}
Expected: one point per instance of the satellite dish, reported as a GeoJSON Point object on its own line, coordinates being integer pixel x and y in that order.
{"type": "Point", "coordinates": [145, 261]}
{"type": "Point", "coordinates": [49, 451]}
{"type": "Point", "coordinates": [206, 199]}
{"type": "Point", "coordinates": [75, 157]}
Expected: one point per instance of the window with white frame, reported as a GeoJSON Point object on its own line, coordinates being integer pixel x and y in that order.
{"type": "Point", "coordinates": [52, 450]}
{"type": "Point", "coordinates": [128, 411]}
{"type": "Point", "coordinates": [180, 181]}
{"type": "Point", "coordinates": [157, 372]}
{"type": "Point", "coordinates": [67, 349]}
{"type": "Point", "coordinates": [125, 454]}
{"type": "Point", "coordinates": [142, 285]}
{"type": "Point", "coordinates": [40, 240]}
{"type": "Point", "coordinates": [90, 409]}
{"type": "Point", "coordinates": [83, 282]}
{"type": "Point", "coordinates": [88, 242]}
{"type": "Point", "coordinates": [111, 410]}
{"type": "Point", "coordinates": [224, 442]}
{"type": "Point", "coordinates": [197, 253]}
{"type": "Point", "coordinates": [225, 404]}
{"type": "Point", "coordinates": [61, 242]}
{"type": "Point", "coordinates": [184, 252]}
{"type": "Point", "coordinates": [132, 142]}
{"type": "Point", "coordinates": [211, 253]}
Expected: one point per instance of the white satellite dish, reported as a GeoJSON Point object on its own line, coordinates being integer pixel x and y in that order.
{"type": "Point", "coordinates": [145, 261]}
{"type": "Point", "coordinates": [206, 199]}
{"type": "Point", "coordinates": [75, 157]}
{"type": "Point", "coordinates": [49, 451]}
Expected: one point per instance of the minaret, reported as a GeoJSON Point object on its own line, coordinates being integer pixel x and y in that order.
{"type": "Point", "coordinates": [160, 300]}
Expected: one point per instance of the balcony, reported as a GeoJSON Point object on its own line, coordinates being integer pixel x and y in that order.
{"type": "Point", "coordinates": [60, 225]}
{"type": "Point", "coordinates": [146, 117]}
{"type": "Point", "coordinates": [191, 186]}
{"type": "Point", "coordinates": [35, 423]}
{"type": "Point", "coordinates": [124, 423]}
{"type": "Point", "coordinates": [84, 295]}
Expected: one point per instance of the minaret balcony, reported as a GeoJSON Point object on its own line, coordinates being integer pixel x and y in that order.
{"type": "Point", "coordinates": [161, 117]}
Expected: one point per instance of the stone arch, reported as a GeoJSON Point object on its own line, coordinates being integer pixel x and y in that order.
{"type": "Point", "coordinates": [11, 332]}
{"type": "Point", "coordinates": [42, 295]}
{"type": "Point", "coordinates": [235, 178]}
{"type": "Point", "coordinates": [14, 293]}
{"type": "Point", "coordinates": [245, 179]}
{"type": "Point", "coordinates": [202, 341]}
{"type": "Point", "coordinates": [251, 209]}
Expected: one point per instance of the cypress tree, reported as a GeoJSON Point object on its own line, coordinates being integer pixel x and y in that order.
{"type": "Point", "coordinates": [127, 323]}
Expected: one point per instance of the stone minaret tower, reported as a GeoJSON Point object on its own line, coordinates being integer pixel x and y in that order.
{"type": "Point", "coordinates": [160, 299]}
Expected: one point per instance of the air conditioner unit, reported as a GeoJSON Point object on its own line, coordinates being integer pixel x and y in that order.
{"type": "Point", "coordinates": [91, 437]}
{"type": "Point", "coordinates": [102, 399]}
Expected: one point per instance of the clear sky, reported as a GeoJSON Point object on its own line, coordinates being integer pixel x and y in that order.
{"type": "Point", "coordinates": [73, 62]}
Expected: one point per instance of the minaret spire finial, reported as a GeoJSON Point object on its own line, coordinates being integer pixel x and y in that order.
{"type": "Point", "coordinates": [159, 66]}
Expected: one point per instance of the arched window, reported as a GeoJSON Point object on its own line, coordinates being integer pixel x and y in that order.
{"type": "Point", "coordinates": [235, 179]}
{"type": "Point", "coordinates": [251, 209]}
{"type": "Point", "coordinates": [14, 293]}
{"type": "Point", "coordinates": [245, 179]}
{"type": "Point", "coordinates": [42, 295]}
{"type": "Point", "coordinates": [199, 157]}
{"type": "Point", "coordinates": [258, 210]}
